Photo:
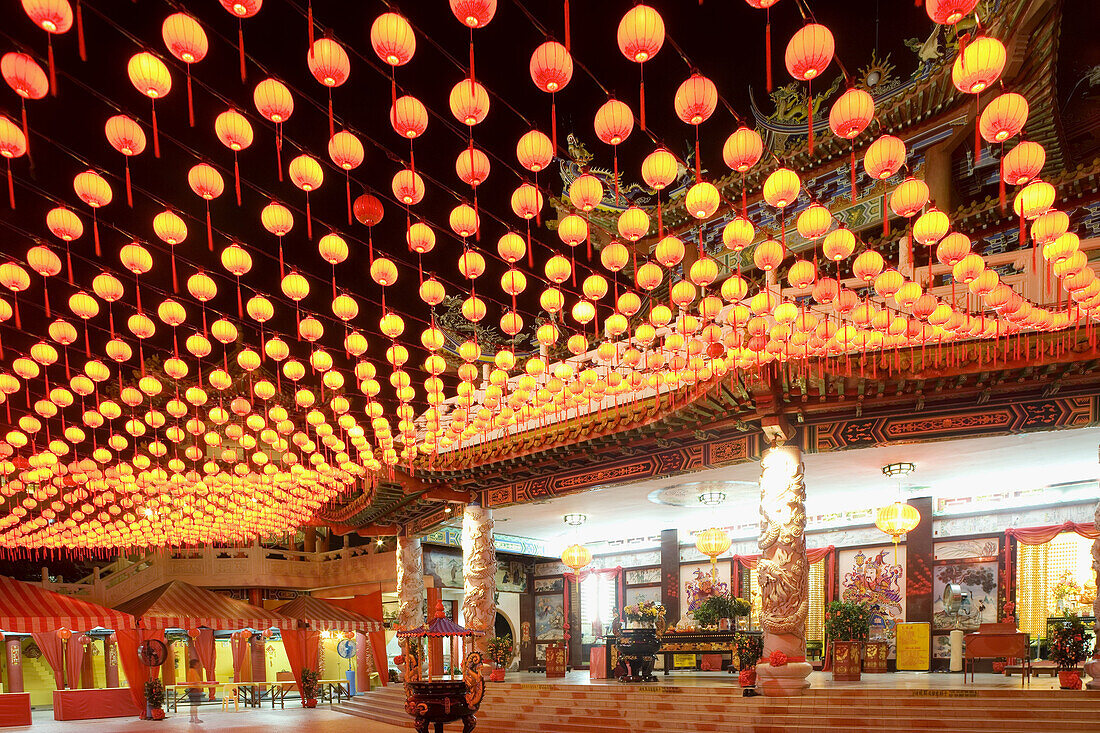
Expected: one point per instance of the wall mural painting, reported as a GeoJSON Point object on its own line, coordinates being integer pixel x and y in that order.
{"type": "Point", "coordinates": [549, 617]}
{"type": "Point", "coordinates": [941, 646]}
{"type": "Point", "coordinates": [978, 581]}
{"type": "Point", "coordinates": [549, 585]}
{"type": "Point", "coordinates": [967, 549]}
{"type": "Point", "coordinates": [871, 576]}
{"type": "Point", "coordinates": [551, 568]}
{"type": "Point", "coordinates": [637, 595]}
{"type": "Point", "coordinates": [511, 575]}
{"type": "Point", "coordinates": [643, 577]}
{"type": "Point", "coordinates": [701, 587]}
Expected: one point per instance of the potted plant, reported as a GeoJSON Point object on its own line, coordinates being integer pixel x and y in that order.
{"type": "Point", "coordinates": [749, 649]}
{"type": "Point", "coordinates": [500, 650]}
{"type": "Point", "coordinates": [154, 699]}
{"type": "Point", "coordinates": [1068, 648]}
{"type": "Point", "coordinates": [309, 687]}
{"type": "Point", "coordinates": [721, 607]}
{"type": "Point", "coordinates": [846, 627]}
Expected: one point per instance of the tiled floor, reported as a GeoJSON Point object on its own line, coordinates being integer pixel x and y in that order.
{"type": "Point", "coordinates": [292, 719]}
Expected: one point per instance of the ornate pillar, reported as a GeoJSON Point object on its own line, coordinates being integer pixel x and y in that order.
{"type": "Point", "coordinates": [1093, 665]}
{"type": "Point", "coordinates": [14, 653]}
{"type": "Point", "coordinates": [110, 661]}
{"type": "Point", "coordinates": [783, 571]}
{"type": "Point", "coordinates": [479, 568]}
{"type": "Point", "coordinates": [410, 582]}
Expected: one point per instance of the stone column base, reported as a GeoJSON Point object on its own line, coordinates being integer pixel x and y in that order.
{"type": "Point", "coordinates": [788, 680]}
{"type": "Point", "coordinates": [1093, 668]}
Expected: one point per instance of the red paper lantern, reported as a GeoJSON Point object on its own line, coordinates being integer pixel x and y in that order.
{"type": "Point", "coordinates": [472, 167]}
{"type": "Point", "coordinates": [534, 151]}
{"type": "Point", "coordinates": [151, 77]}
{"type": "Point", "coordinates": [127, 137]}
{"type": "Point", "coordinates": [808, 54]}
{"type": "Point", "coordinates": [469, 102]}
{"type": "Point", "coordinates": [978, 65]}
{"type": "Point", "coordinates": [392, 38]}
{"type": "Point", "coordinates": [474, 13]}
{"type": "Point", "coordinates": [1003, 118]}
{"type": "Point", "coordinates": [186, 40]}
{"type": "Point", "coordinates": [1023, 163]}
{"type": "Point", "coordinates": [949, 12]}
{"type": "Point", "coordinates": [884, 157]}
{"type": "Point", "coordinates": [409, 117]}
{"type": "Point", "coordinates": [640, 36]}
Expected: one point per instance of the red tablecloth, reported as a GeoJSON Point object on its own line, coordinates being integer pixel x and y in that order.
{"type": "Point", "coordinates": [597, 662]}
{"type": "Point", "coordinates": [113, 702]}
{"type": "Point", "coordinates": [15, 708]}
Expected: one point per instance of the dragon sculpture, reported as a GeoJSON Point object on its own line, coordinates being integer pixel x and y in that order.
{"type": "Point", "coordinates": [480, 571]}
{"type": "Point", "coordinates": [782, 566]}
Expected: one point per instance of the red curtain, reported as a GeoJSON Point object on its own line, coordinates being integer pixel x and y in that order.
{"type": "Point", "coordinates": [620, 592]}
{"type": "Point", "coordinates": [74, 660]}
{"type": "Point", "coordinates": [812, 556]}
{"type": "Point", "coordinates": [242, 656]}
{"type": "Point", "coordinates": [52, 649]}
{"type": "Point", "coordinates": [301, 651]}
{"type": "Point", "coordinates": [1039, 536]}
{"type": "Point", "coordinates": [381, 661]}
{"type": "Point", "coordinates": [206, 651]}
{"type": "Point", "coordinates": [136, 673]}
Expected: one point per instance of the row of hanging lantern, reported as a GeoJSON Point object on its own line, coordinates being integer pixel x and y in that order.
{"type": "Point", "coordinates": [699, 336]}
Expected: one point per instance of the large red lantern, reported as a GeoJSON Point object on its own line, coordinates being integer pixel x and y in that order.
{"type": "Point", "coordinates": [127, 137]}
{"type": "Point", "coordinates": [329, 64]}
{"type": "Point", "coordinates": [613, 123]}
{"type": "Point", "coordinates": [234, 131]}
{"type": "Point", "coordinates": [949, 12]}
{"type": "Point", "coordinates": [469, 102]}
{"type": "Point", "coordinates": [52, 16]}
{"type": "Point", "coordinates": [551, 70]}
{"type": "Point", "coordinates": [274, 101]}
{"type": "Point", "coordinates": [641, 34]}
{"type": "Point", "coordinates": [26, 78]}
{"type": "Point", "coordinates": [809, 52]}
{"type": "Point", "coordinates": [150, 76]}
{"type": "Point", "coordinates": [186, 40]}
{"type": "Point", "coordinates": [241, 9]}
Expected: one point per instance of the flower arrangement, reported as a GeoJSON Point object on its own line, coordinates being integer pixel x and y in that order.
{"type": "Point", "coordinates": [1009, 616]}
{"type": "Point", "coordinates": [777, 659]}
{"type": "Point", "coordinates": [154, 697]}
{"type": "Point", "coordinates": [749, 648]}
{"type": "Point", "coordinates": [644, 612]}
{"type": "Point", "coordinates": [847, 621]}
{"type": "Point", "coordinates": [723, 605]}
{"type": "Point", "coordinates": [1069, 646]}
{"type": "Point", "coordinates": [309, 687]}
{"type": "Point", "coordinates": [501, 650]}
{"type": "Point", "coordinates": [1066, 590]}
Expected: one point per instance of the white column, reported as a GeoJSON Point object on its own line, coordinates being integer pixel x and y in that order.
{"type": "Point", "coordinates": [479, 568]}
{"type": "Point", "coordinates": [783, 571]}
{"type": "Point", "coordinates": [410, 582]}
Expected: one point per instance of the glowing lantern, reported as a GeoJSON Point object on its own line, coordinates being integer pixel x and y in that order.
{"type": "Point", "coordinates": [814, 222]}
{"type": "Point", "coordinates": [52, 16]}
{"type": "Point", "coordinates": [1023, 163]}
{"type": "Point", "coordinates": [702, 200]}
{"type": "Point", "coordinates": [469, 102]}
{"type": "Point", "coordinates": [897, 519]}
{"type": "Point", "coordinates": [884, 157]}
{"type": "Point", "coordinates": [848, 118]}
{"type": "Point", "coordinates": [809, 52]}
{"type": "Point", "coordinates": [26, 78]}
{"type": "Point", "coordinates": [768, 255]}
{"type": "Point", "coordinates": [669, 251]}
{"type": "Point", "coordinates": [1003, 118]}
{"type": "Point", "coordinates": [329, 64]}
{"type": "Point", "coordinates": [640, 36]}
{"type": "Point", "coordinates": [392, 38]}
{"type": "Point", "coordinates": [868, 265]}
{"type": "Point", "coordinates": [633, 224]}
{"type": "Point", "coordinates": [613, 123]}
{"type": "Point", "coordinates": [207, 184]}
{"type": "Point", "coordinates": [274, 102]}
{"type": "Point", "coordinates": [839, 244]}
{"type": "Point", "coordinates": [909, 197]}
{"type": "Point", "coordinates": [801, 274]}
{"type": "Point", "coordinates": [576, 557]}
{"type": "Point", "coordinates": [978, 65]}
{"type": "Point", "coordinates": [712, 543]}
{"type": "Point", "coordinates": [93, 190]}
{"type": "Point", "coordinates": [586, 192]}
{"type": "Point", "coordinates": [464, 221]}
{"type": "Point", "coordinates": [534, 152]}
{"type": "Point", "coordinates": [408, 187]}
{"type": "Point", "coordinates": [420, 238]}
{"type": "Point", "coordinates": [949, 12]}
{"type": "Point", "coordinates": [952, 248]}
{"type": "Point", "coordinates": [66, 226]}
{"type": "Point", "coordinates": [782, 187]}
{"type": "Point", "coordinates": [234, 131]}
{"type": "Point", "coordinates": [306, 173]}
{"type": "Point", "coordinates": [186, 40]}
{"type": "Point", "coordinates": [241, 9]}
{"type": "Point", "coordinates": [551, 70]}
{"type": "Point", "coordinates": [511, 247]}
{"type": "Point", "coordinates": [1034, 200]}
{"type": "Point", "coordinates": [13, 144]}
{"type": "Point", "coordinates": [408, 117]}
{"type": "Point", "coordinates": [526, 201]}
{"type": "Point", "coordinates": [738, 234]}
{"type": "Point", "coordinates": [150, 76]}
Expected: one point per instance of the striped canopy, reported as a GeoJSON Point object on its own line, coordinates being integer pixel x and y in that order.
{"type": "Point", "coordinates": [322, 616]}
{"type": "Point", "coordinates": [179, 605]}
{"type": "Point", "coordinates": [28, 609]}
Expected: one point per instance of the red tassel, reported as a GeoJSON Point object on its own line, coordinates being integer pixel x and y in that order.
{"type": "Point", "coordinates": [641, 95]}
{"type": "Point", "coordinates": [810, 111]}
{"type": "Point", "coordinates": [554, 122]}
{"type": "Point", "coordinates": [237, 177]}
{"type": "Point", "coordinates": [853, 171]}
{"type": "Point", "coordinates": [69, 262]}
{"type": "Point", "coordinates": [50, 63]}
{"type": "Point", "coordinates": [309, 18]}
{"type": "Point", "coordinates": [331, 124]}
{"type": "Point", "coordinates": [26, 130]}
{"type": "Point", "coordinates": [393, 88]}
{"type": "Point", "coordinates": [156, 135]}
{"type": "Point", "coordinates": [240, 308]}
{"type": "Point", "coordinates": [885, 218]}
{"type": "Point", "coordinates": [175, 280]}
{"type": "Point", "coordinates": [190, 102]}
{"type": "Point", "coordinates": [615, 156]}
{"type": "Point", "coordinates": [282, 270]}
{"type": "Point", "coordinates": [309, 220]}
{"type": "Point", "coordinates": [240, 45]}
{"type": "Point", "coordinates": [95, 233]}
{"type": "Point", "coordinates": [15, 307]}
{"type": "Point", "coordinates": [768, 49]}
{"type": "Point", "coordinates": [1001, 182]}
{"type": "Point", "coordinates": [977, 130]}
{"type": "Point", "coordinates": [530, 251]}
{"type": "Point", "coordinates": [473, 78]}
{"type": "Point", "coordinates": [209, 230]}
{"type": "Point", "coordinates": [347, 188]}
{"type": "Point", "coordinates": [80, 32]}
{"type": "Point", "coordinates": [129, 192]}
{"type": "Point", "coordinates": [698, 164]}
{"type": "Point", "coordinates": [11, 187]}
{"type": "Point", "coordinates": [46, 298]}
{"type": "Point", "coordinates": [568, 45]}
{"type": "Point", "coordinates": [279, 149]}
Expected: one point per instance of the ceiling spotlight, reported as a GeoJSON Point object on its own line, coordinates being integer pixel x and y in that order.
{"type": "Point", "coordinates": [575, 519]}
{"type": "Point", "coordinates": [712, 498]}
{"type": "Point", "coordinates": [898, 469]}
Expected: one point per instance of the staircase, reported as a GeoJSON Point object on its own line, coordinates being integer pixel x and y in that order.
{"type": "Point", "coordinates": [538, 708]}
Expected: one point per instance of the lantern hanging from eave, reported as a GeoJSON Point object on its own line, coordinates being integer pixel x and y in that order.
{"type": "Point", "coordinates": [330, 65]}
{"type": "Point", "coordinates": [695, 101]}
{"type": "Point", "coordinates": [151, 77]}
{"type": "Point", "coordinates": [551, 69]}
{"type": "Point", "coordinates": [234, 131]}
{"type": "Point", "coordinates": [850, 115]}
{"type": "Point", "coordinates": [13, 144]}
{"type": "Point", "coordinates": [306, 173]}
{"type": "Point", "coordinates": [808, 54]}
{"type": "Point", "coordinates": [241, 9]}
{"type": "Point", "coordinates": [712, 543]}
{"type": "Point", "coordinates": [1001, 120]}
{"type": "Point", "coordinates": [52, 16]}
{"type": "Point", "coordinates": [27, 79]}
{"type": "Point", "coordinates": [641, 35]}
{"type": "Point", "coordinates": [208, 184]}
{"type": "Point", "coordinates": [576, 557]}
{"type": "Point", "coordinates": [127, 137]}
{"type": "Point", "coordinates": [93, 190]}
{"type": "Point", "coordinates": [346, 151]}
{"type": "Point", "coordinates": [978, 65]}
{"type": "Point", "coordinates": [274, 101]}
{"type": "Point", "coordinates": [613, 124]}
{"type": "Point", "coordinates": [186, 40]}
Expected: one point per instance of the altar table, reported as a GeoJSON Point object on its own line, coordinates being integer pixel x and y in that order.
{"type": "Point", "coordinates": [15, 708]}
{"type": "Point", "coordinates": [111, 702]}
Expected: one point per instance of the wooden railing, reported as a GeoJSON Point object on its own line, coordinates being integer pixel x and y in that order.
{"type": "Point", "coordinates": [241, 567]}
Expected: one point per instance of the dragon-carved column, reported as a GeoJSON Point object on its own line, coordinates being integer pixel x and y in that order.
{"type": "Point", "coordinates": [784, 572]}
{"type": "Point", "coordinates": [1093, 665]}
{"type": "Point", "coordinates": [479, 567]}
{"type": "Point", "coordinates": [410, 589]}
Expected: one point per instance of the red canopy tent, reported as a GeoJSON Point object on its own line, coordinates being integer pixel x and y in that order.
{"type": "Point", "coordinates": [317, 615]}
{"type": "Point", "coordinates": [28, 609]}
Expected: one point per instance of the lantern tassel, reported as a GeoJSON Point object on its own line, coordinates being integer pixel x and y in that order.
{"type": "Point", "coordinates": [641, 95]}
{"type": "Point", "coordinates": [309, 19]}
{"type": "Point", "coordinates": [810, 111]}
{"type": "Point", "coordinates": [156, 135]}
{"type": "Point", "coordinates": [15, 308]}
{"type": "Point", "coordinates": [26, 129]}
{"type": "Point", "coordinates": [331, 123]}
{"type": "Point", "coordinates": [853, 171]}
{"type": "Point", "coordinates": [768, 49]}
{"type": "Point", "coordinates": [11, 187]}
{"type": "Point", "coordinates": [80, 32]}
{"type": "Point", "coordinates": [885, 217]}
{"type": "Point", "coordinates": [69, 262]}
{"type": "Point", "coordinates": [554, 122]}
{"type": "Point", "coordinates": [240, 46]}
{"type": "Point", "coordinates": [209, 230]}
{"type": "Point", "coordinates": [568, 45]}
{"type": "Point", "coordinates": [347, 189]}
{"type": "Point", "coordinates": [95, 233]}
{"type": "Point", "coordinates": [50, 64]}
{"type": "Point", "coordinates": [46, 298]}
{"type": "Point", "coordinates": [530, 250]}
{"type": "Point", "coordinates": [279, 149]}
{"type": "Point", "coordinates": [282, 269]}
{"type": "Point", "coordinates": [129, 192]}
{"type": "Point", "coordinates": [309, 220]}
{"type": "Point", "coordinates": [240, 305]}
{"type": "Point", "coordinates": [175, 280]}
{"type": "Point", "coordinates": [237, 178]}
{"type": "Point", "coordinates": [190, 101]}
{"type": "Point", "coordinates": [1001, 182]}
{"type": "Point", "coordinates": [615, 156]}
